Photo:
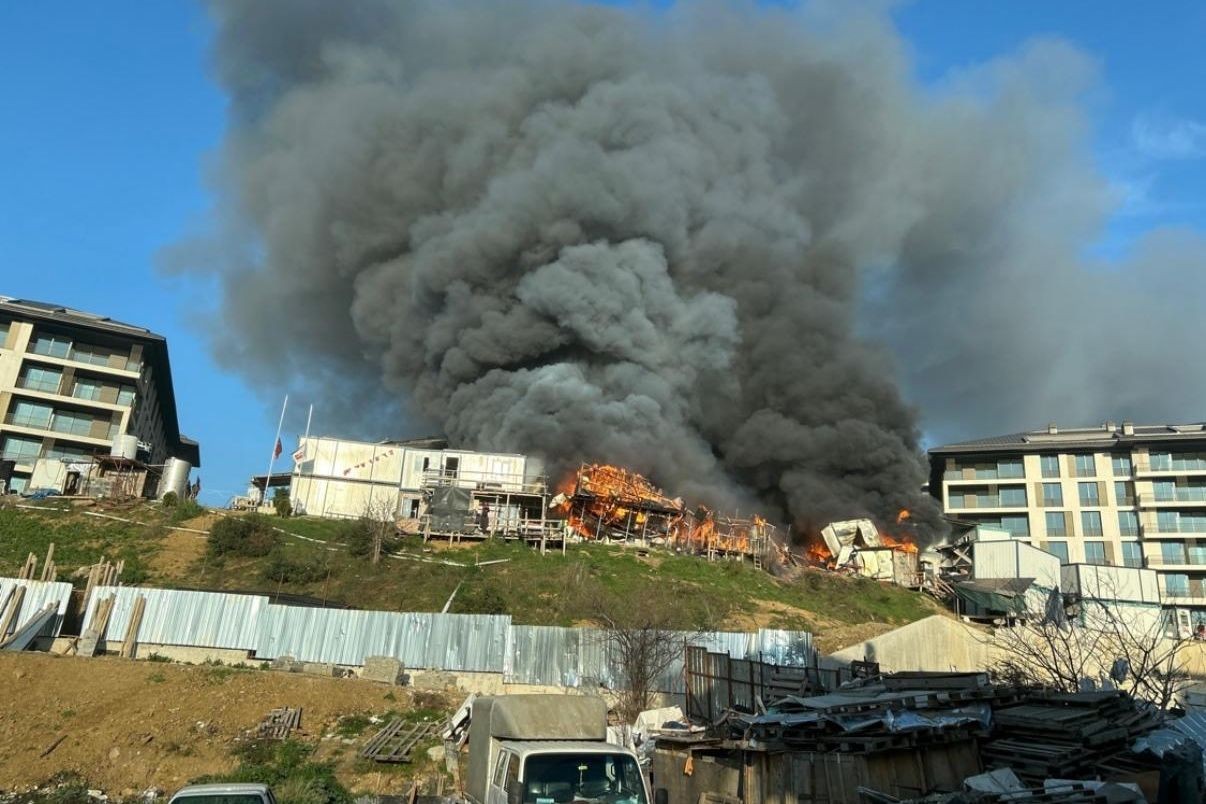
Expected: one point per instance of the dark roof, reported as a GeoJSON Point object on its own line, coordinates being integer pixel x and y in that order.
{"type": "Point", "coordinates": [155, 351]}
{"type": "Point", "coordinates": [278, 480]}
{"type": "Point", "coordinates": [1103, 437]}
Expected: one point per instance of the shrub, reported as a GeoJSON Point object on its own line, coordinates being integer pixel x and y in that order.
{"type": "Point", "coordinates": [186, 510]}
{"type": "Point", "coordinates": [280, 501]}
{"type": "Point", "coordinates": [170, 500]}
{"type": "Point", "coordinates": [250, 536]}
{"type": "Point", "coordinates": [283, 569]}
{"type": "Point", "coordinates": [357, 534]}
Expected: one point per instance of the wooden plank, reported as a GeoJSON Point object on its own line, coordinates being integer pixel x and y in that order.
{"type": "Point", "coordinates": [96, 629]}
{"type": "Point", "coordinates": [130, 645]}
{"type": "Point", "coordinates": [10, 614]}
{"type": "Point", "coordinates": [48, 566]}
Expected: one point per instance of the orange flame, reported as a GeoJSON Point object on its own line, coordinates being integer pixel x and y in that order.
{"type": "Point", "coordinates": [898, 543]}
{"type": "Point", "coordinates": [902, 515]}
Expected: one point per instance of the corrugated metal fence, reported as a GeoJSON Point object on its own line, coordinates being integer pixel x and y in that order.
{"type": "Point", "coordinates": [38, 594]}
{"type": "Point", "coordinates": [524, 654]}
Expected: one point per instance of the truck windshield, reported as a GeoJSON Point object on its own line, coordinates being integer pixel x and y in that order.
{"type": "Point", "coordinates": [219, 798]}
{"type": "Point", "coordinates": [558, 778]}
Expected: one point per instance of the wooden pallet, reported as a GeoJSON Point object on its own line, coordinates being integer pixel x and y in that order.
{"type": "Point", "coordinates": [395, 742]}
{"type": "Point", "coordinates": [279, 724]}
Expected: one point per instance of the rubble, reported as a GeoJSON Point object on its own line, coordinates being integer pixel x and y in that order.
{"type": "Point", "coordinates": [858, 547]}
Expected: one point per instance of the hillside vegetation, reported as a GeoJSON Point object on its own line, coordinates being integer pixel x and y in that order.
{"type": "Point", "coordinates": [312, 557]}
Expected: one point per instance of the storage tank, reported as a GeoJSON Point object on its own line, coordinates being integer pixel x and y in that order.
{"type": "Point", "coordinates": [125, 446]}
{"type": "Point", "coordinates": [174, 478]}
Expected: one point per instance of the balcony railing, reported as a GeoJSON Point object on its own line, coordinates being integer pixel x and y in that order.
{"type": "Point", "coordinates": [1185, 494]}
{"type": "Point", "coordinates": [984, 502]}
{"type": "Point", "coordinates": [43, 386]}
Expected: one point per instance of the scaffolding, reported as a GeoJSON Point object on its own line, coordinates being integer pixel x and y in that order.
{"type": "Point", "coordinates": [460, 505]}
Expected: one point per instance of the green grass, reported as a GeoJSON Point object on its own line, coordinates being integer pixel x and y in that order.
{"type": "Point", "coordinates": [553, 589]}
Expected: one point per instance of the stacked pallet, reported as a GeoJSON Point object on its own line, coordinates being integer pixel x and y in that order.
{"type": "Point", "coordinates": [902, 711]}
{"type": "Point", "coordinates": [1066, 736]}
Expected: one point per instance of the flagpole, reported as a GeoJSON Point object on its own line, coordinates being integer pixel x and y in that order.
{"type": "Point", "coordinates": [296, 466]}
{"type": "Point", "coordinates": [272, 455]}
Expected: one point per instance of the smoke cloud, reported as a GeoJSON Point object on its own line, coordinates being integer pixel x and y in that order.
{"type": "Point", "coordinates": [711, 244]}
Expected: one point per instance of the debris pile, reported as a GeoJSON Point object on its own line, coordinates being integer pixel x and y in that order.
{"type": "Point", "coordinates": [1068, 736]}
{"type": "Point", "coordinates": [858, 547]}
{"type": "Point", "coordinates": [916, 737]}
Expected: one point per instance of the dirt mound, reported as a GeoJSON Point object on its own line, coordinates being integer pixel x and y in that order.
{"type": "Point", "coordinates": [126, 726]}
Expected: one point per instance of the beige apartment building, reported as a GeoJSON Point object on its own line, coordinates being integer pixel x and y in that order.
{"type": "Point", "coordinates": [73, 383]}
{"type": "Point", "coordinates": [1123, 495]}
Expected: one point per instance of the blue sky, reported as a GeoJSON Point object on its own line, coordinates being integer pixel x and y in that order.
{"type": "Point", "coordinates": [110, 118]}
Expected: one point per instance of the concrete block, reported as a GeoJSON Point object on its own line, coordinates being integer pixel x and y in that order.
{"type": "Point", "coordinates": [320, 669]}
{"type": "Point", "coordinates": [434, 680]}
{"type": "Point", "coordinates": [287, 664]}
{"type": "Point", "coordinates": [385, 669]}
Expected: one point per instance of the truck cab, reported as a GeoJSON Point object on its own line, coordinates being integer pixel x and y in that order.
{"type": "Point", "coordinates": [224, 794]}
{"type": "Point", "coordinates": [548, 749]}
{"type": "Point", "coordinates": [561, 772]}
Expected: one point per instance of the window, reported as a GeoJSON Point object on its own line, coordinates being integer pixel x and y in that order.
{"type": "Point", "coordinates": [955, 500]}
{"type": "Point", "coordinates": [1013, 496]}
{"type": "Point", "coordinates": [1016, 525]}
{"type": "Point", "coordinates": [1059, 549]}
{"type": "Point", "coordinates": [1053, 495]}
{"type": "Point", "coordinates": [1178, 461]}
{"type": "Point", "coordinates": [57, 452]}
{"type": "Point", "coordinates": [1050, 464]}
{"type": "Point", "coordinates": [1088, 494]}
{"type": "Point", "coordinates": [125, 395]}
{"type": "Point", "coordinates": [18, 484]}
{"type": "Point", "coordinates": [1090, 523]}
{"type": "Point", "coordinates": [21, 449]}
{"type": "Point", "coordinates": [1085, 466]}
{"type": "Point", "coordinates": [500, 770]}
{"type": "Point", "coordinates": [1128, 523]}
{"type": "Point", "coordinates": [583, 777]}
{"type": "Point", "coordinates": [1132, 554]}
{"type": "Point", "coordinates": [1172, 552]}
{"type": "Point", "coordinates": [52, 345]}
{"type": "Point", "coordinates": [1010, 468]}
{"type": "Point", "coordinates": [31, 414]}
{"type": "Point", "coordinates": [1057, 523]}
{"type": "Point", "coordinates": [1095, 553]}
{"type": "Point", "coordinates": [41, 379]}
{"type": "Point", "coordinates": [71, 422]}
{"type": "Point", "coordinates": [1176, 585]}
{"type": "Point", "coordinates": [4, 325]}
{"type": "Point", "coordinates": [1165, 490]}
{"type": "Point", "coordinates": [1121, 465]}
{"type": "Point", "coordinates": [1122, 493]}
{"type": "Point", "coordinates": [87, 389]}
{"type": "Point", "coordinates": [92, 355]}
{"type": "Point", "coordinates": [1197, 554]}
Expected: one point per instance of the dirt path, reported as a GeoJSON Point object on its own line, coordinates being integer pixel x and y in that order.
{"type": "Point", "coordinates": [131, 725]}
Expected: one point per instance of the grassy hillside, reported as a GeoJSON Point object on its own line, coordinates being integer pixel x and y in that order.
{"type": "Point", "coordinates": [554, 589]}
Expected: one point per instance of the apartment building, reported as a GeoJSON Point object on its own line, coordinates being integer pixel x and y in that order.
{"type": "Point", "coordinates": [1121, 495]}
{"type": "Point", "coordinates": [71, 383]}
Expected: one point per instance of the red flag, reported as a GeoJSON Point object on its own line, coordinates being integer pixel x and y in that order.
{"type": "Point", "coordinates": [276, 453]}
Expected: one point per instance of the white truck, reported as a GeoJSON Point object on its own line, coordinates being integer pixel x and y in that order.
{"type": "Point", "coordinates": [548, 749]}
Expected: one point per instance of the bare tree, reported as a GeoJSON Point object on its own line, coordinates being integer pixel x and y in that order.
{"type": "Point", "coordinates": [1098, 636]}
{"type": "Point", "coordinates": [644, 635]}
{"type": "Point", "coordinates": [378, 519]}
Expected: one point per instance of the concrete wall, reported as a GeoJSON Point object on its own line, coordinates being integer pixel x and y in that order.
{"type": "Point", "coordinates": [936, 643]}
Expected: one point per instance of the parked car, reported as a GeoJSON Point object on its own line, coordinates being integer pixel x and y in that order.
{"type": "Point", "coordinates": [224, 794]}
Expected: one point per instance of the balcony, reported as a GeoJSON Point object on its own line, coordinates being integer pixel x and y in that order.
{"type": "Point", "coordinates": [1188, 495]}
{"type": "Point", "coordinates": [986, 503]}
{"type": "Point", "coordinates": [1145, 467]}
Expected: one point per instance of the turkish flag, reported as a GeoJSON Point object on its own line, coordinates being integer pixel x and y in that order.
{"type": "Point", "coordinates": [276, 453]}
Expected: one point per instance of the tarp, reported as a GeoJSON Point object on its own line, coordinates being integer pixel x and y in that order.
{"type": "Point", "coordinates": [978, 601]}
{"type": "Point", "coordinates": [450, 509]}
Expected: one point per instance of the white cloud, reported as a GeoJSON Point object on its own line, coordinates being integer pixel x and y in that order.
{"type": "Point", "coordinates": [1163, 137]}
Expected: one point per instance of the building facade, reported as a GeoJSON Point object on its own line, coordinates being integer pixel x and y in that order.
{"type": "Point", "coordinates": [73, 383]}
{"type": "Point", "coordinates": [1121, 495]}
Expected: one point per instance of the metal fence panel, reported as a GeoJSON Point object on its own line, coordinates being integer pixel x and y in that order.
{"type": "Point", "coordinates": [38, 594]}
{"type": "Point", "coordinates": [179, 617]}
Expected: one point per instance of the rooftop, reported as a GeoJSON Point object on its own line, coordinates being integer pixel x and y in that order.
{"type": "Point", "coordinates": [1104, 436]}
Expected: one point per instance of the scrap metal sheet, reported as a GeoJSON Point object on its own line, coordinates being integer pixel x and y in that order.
{"type": "Point", "coordinates": [37, 595]}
